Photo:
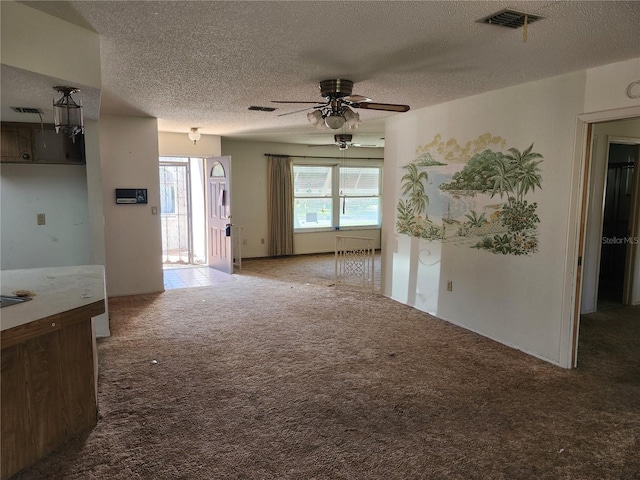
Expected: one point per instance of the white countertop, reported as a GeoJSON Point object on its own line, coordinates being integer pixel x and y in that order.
{"type": "Point", "coordinates": [57, 290]}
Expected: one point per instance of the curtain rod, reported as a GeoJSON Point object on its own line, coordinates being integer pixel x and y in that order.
{"type": "Point", "coordinates": [332, 158]}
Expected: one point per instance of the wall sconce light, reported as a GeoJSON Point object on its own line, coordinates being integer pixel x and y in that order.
{"type": "Point", "coordinates": [67, 114]}
{"type": "Point", "coordinates": [194, 134]}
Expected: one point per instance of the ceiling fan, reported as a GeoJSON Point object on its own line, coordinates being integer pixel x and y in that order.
{"type": "Point", "coordinates": [336, 111]}
{"type": "Point", "coordinates": [343, 141]}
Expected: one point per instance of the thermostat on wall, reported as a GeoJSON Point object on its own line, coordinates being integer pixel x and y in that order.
{"type": "Point", "coordinates": [131, 195]}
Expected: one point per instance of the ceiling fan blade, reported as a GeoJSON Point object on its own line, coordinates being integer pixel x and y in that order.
{"type": "Point", "coordinates": [287, 101]}
{"type": "Point", "coordinates": [296, 111]}
{"type": "Point", "coordinates": [322, 145]}
{"type": "Point", "coordinates": [387, 107]}
{"type": "Point", "coordinates": [361, 145]}
{"type": "Point", "coordinates": [357, 99]}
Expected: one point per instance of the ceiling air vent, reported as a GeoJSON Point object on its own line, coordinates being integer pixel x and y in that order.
{"type": "Point", "coordinates": [510, 18]}
{"type": "Point", "coordinates": [261, 109]}
{"type": "Point", "coordinates": [26, 110]}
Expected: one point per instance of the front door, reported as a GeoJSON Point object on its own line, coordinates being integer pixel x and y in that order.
{"type": "Point", "coordinates": [219, 213]}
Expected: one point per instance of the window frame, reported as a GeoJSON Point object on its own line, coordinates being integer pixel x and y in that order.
{"type": "Point", "coordinates": [329, 198]}
{"type": "Point", "coordinates": [336, 198]}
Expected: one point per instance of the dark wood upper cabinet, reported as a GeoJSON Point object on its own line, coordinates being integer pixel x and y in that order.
{"type": "Point", "coordinates": [52, 147]}
{"type": "Point", "coordinates": [15, 141]}
{"type": "Point", "coordinates": [39, 143]}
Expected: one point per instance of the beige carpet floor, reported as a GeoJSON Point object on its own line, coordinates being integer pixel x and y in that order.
{"type": "Point", "coordinates": [316, 269]}
{"type": "Point", "coordinates": [277, 379]}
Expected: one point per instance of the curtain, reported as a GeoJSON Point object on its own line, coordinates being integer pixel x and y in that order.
{"type": "Point", "coordinates": [280, 205]}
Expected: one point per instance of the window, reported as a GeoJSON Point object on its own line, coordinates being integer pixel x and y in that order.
{"type": "Point", "coordinates": [360, 196]}
{"type": "Point", "coordinates": [313, 202]}
{"type": "Point", "coordinates": [331, 196]}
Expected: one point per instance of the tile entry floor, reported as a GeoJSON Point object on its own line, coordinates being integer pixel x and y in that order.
{"type": "Point", "coordinates": [188, 276]}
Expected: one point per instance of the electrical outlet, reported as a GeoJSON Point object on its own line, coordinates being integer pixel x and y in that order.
{"type": "Point", "coordinates": [41, 219]}
{"type": "Point", "coordinates": [262, 241]}
{"type": "Point", "coordinates": [450, 286]}
{"type": "Point", "coordinates": [244, 241]}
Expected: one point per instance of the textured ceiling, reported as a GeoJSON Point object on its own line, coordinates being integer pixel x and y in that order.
{"type": "Point", "coordinates": [203, 63]}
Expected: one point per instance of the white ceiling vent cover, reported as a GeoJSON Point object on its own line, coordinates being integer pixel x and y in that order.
{"type": "Point", "coordinates": [510, 18]}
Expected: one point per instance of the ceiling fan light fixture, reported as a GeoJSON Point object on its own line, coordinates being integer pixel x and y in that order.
{"type": "Point", "coordinates": [352, 119]}
{"type": "Point", "coordinates": [67, 114]}
{"type": "Point", "coordinates": [334, 121]}
{"type": "Point", "coordinates": [194, 135]}
{"type": "Point", "coordinates": [337, 110]}
{"type": "Point", "coordinates": [315, 118]}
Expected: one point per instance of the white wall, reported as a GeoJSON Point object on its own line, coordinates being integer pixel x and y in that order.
{"type": "Point", "coordinates": [517, 300]}
{"type": "Point", "coordinates": [133, 241]}
{"type": "Point", "coordinates": [249, 194]}
{"type": "Point", "coordinates": [94, 188]}
{"type": "Point", "coordinates": [591, 259]}
{"type": "Point", "coordinates": [606, 87]}
{"type": "Point", "coordinates": [58, 191]}
{"type": "Point", "coordinates": [38, 42]}
{"type": "Point", "coordinates": [172, 144]}
{"type": "Point", "coordinates": [323, 242]}
{"type": "Point", "coordinates": [526, 301]}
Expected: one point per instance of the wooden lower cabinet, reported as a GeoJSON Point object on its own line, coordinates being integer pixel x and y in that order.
{"type": "Point", "coordinates": [49, 379]}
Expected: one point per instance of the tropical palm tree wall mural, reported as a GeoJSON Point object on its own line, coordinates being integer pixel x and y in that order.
{"type": "Point", "coordinates": [454, 200]}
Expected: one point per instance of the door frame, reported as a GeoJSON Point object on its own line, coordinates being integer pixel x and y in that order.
{"type": "Point", "coordinates": [579, 204]}
{"type": "Point", "coordinates": [187, 166]}
{"type": "Point", "coordinates": [600, 200]}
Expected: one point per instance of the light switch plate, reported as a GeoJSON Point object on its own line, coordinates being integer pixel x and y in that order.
{"type": "Point", "coordinates": [41, 219]}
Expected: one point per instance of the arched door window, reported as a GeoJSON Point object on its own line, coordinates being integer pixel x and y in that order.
{"type": "Point", "coordinates": [217, 171]}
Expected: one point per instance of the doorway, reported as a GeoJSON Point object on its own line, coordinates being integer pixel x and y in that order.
{"type": "Point", "coordinates": [618, 213]}
{"type": "Point", "coordinates": [597, 131]}
{"type": "Point", "coordinates": [610, 260]}
{"type": "Point", "coordinates": [182, 211]}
